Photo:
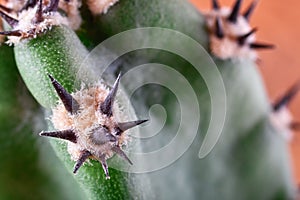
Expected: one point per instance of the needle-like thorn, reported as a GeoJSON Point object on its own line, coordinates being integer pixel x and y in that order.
{"type": "Point", "coordinates": [16, 33]}
{"type": "Point", "coordinates": [243, 38]}
{"type": "Point", "coordinates": [65, 135]}
{"type": "Point", "coordinates": [53, 7]}
{"type": "Point", "coordinates": [39, 12]}
{"type": "Point", "coordinates": [235, 11]}
{"type": "Point", "coordinates": [121, 153]}
{"type": "Point", "coordinates": [10, 20]}
{"type": "Point", "coordinates": [29, 4]}
{"type": "Point", "coordinates": [106, 106]}
{"type": "Point", "coordinates": [261, 46]}
{"type": "Point", "coordinates": [127, 125]}
{"type": "Point", "coordinates": [6, 9]}
{"type": "Point", "coordinates": [84, 155]}
{"type": "Point", "coordinates": [69, 102]}
{"type": "Point", "coordinates": [250, 10]}
{"type": "Point", "coordinates": [295, 126]}
{"type": "Point", "coordinates": [219, 31]}
{"type": "Point", "coordinates": [105, 167]}
{"type": "Point", "coordinates": [287, 97]}
{"type": "Point", "coordinates": [215, 5]}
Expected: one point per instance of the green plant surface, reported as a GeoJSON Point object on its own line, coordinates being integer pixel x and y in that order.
{"type": "Point", "coordinates": [59, 52]}
{"type": "Point", "coordinates": [28, 168]}
{"type": "Point", "coordinates": [129, 14]}
{"type": "Point", "coordinates": [250, 159]}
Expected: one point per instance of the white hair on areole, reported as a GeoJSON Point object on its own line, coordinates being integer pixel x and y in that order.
{"type": "Point", "coordinates": [230, 34]}
{"type": "Point", "coordinates": [228, 47]}
{"type": "Point", "coordinates": [30, 29]}
{"type": "Point", "coordinates": [87, 119]}
{"type": "Point", "coordinates": [100, 6]}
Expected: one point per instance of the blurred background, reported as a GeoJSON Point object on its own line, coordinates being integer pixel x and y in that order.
{"type": "Point", "coordinates": [278, 23]}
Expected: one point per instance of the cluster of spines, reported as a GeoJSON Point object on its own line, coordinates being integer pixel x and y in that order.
{"type": "Point", "coordinates": [232, 18]}
{"type": "Point", "coordinates": [52, 7]}
{"type": "Point", "coordinates": [105, 108]}
{"type": "Point", "coordinates": [285, 100]}
{"type": "Point", "coordinates": [72, 106]}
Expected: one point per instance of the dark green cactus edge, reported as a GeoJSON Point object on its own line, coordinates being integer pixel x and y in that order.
{"type": "Point", "coordinates": [29, 168]}
{"type": "Point", "coordinates": [59, 53]}
{"type": "Point", "coordinates": [250, 160]}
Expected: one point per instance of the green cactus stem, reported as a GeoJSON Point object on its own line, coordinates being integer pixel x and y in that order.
{"type": "Point", "coordinates": [57, 51]}
{"type": "Point", "coordinates": [29, 168]}
{"type": "Point", "coordinates": [250, 159]}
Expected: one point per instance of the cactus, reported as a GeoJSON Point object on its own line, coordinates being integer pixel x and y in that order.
{"type": "Point", "coordinates": [248, 160]}
{"type": "Point", "coordinates": [27, 162]}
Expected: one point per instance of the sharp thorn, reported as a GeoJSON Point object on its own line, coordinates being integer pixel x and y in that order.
{"type": "Point", "coordinates": [8, 10]}
{"type": "Point", "coordinates": [242, 39]}
{"type": "Point", "coordinates": [65, 135]}
{"type": "Point", "coordinates": [287, 97]}
{"type": "Point", "coordinates": [261, 46]}
{"type": "Point", "coordinates": [105, 167]}
{"type": "Point", "coordinates": [53, 7]}
{"type": "Point", "coordinates": [10, 20]}
{"type": "Point", "coordinates": [29, 4]}
{"type": "Point", "coordinates": [16, 33]}
{"type": "Point", "coordinates": [69, 102]}
{"type": "Point", "coordinates": [127, 125]}
{"type": "Point", "coordinates": [215, 5]}
{"type": "Point", "coordinates": [39, 12]}
{"type": "Point", "coordinates": [235, 11]}
{"type": "Point", "coordinates": [250, 10]}
{"type": "Point", "coordinates": [106, 106]}
{"type": "Point", "coordinates": [219, 31]}
{"type": "Point", "coordinates": [84, 155]}
{"type": "Point", "coordinates": [295, 126]}
{"type": "Point", "coordinates": [121, 153]}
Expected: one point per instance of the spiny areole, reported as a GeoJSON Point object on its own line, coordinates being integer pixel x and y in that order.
{"type": "Point", "coordinates": [32, 21]}
{"type": "Point", "coordinates": [230, 33]}
{"type": "Point", "coordinates": [37, 17]}
{"type": "Point", "coordinates": [86, 120]}
{"type": "Point", "coordinates": [29, 12]}
{"type": "Point", "coordinates": [281, 117]}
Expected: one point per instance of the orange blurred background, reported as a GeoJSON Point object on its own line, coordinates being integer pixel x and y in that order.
{"type": "Point", "coordinates": [277, 22]}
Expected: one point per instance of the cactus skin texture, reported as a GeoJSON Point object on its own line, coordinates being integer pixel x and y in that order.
{"type": "Point", "coordinates": [59, 47]}
{"type": "Point", "coordinates": [26, 159]}
{"type": "Point", "coordinates": [251, 159]}
{"type": "Point", "coordinates": [59, 52]}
